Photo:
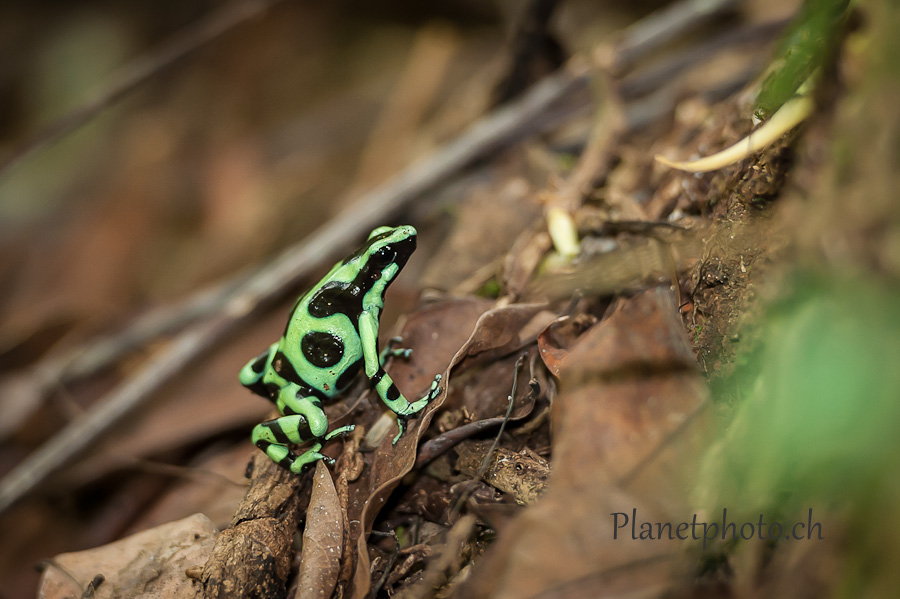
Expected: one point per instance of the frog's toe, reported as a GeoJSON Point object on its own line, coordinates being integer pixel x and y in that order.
{"type": "Point", "coordinates": [392, 351]}
{"type": "Point", "coordinates": [419, 405]}
{"type": "Point", "coordinates": [435, 387]}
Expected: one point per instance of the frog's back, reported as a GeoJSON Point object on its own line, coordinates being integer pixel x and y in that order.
{"type": "Point", "coordinates": [321, 340]}
{"type": "Point", "coordinates": [321, 349]}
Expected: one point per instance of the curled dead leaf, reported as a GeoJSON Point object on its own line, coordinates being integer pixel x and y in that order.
{"type": "Point", "coordinates": [558, 336]}
{"type": "Point", "coordinates": [322, 539]}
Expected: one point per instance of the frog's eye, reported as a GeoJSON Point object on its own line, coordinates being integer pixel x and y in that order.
{"type": "Point", "coordinates": [383, 256]}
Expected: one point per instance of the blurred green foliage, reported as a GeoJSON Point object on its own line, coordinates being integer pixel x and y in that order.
{"type": "Point", "coordinates": [490, 289]}
{"type": "Point", "coordinates": [76, 57]}
{"type": "Point", "coordinates": [819, 403]}
{"type": "Point", "coordinates": [807, 45]}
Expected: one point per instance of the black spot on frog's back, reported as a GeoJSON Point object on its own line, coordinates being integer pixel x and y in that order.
{"type": "Point", "coordinates": [322, 349]}
{"type": "Point", "coordinates": [336, 297]}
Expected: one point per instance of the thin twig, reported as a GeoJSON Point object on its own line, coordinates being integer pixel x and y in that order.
{"type": "Point", "coordinates": [534, 112]}
{"type": "Point", "coordinates": [373, 592]}
{"type": "Point", "coordinates": [81, 433]}
{"type": "Point", "coordinates": [512, 394]}
{"type": "Point", "coordinates": [653, 77]}
{"type": "Point", "coordinates": [88, 359]}
{"type": "Point", "coordinates": [450, 555]}
{"type": "Point", "coordinates": [663, 26]}
{"type": "Point", "coordinates": [486, 462]}
{"type": "Point", "coordinates": [139, 71]}
{"type": "Point", "coordinates": [446, 441]}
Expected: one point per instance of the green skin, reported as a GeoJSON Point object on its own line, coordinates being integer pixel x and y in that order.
{"type": "Point", "coordinates": [332, 332]}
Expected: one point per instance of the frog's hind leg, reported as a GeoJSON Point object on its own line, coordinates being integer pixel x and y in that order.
{"type": "Point", "coordinates": [251, 375]}
{"type": "Point", "coordinates": [274, 436]}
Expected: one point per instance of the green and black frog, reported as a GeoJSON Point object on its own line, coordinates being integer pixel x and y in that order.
{"type": "Point", "coordinates": [331, 334]}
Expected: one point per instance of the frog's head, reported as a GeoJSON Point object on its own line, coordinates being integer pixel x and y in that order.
{"type": "Point", "coordinates": [386, 253]}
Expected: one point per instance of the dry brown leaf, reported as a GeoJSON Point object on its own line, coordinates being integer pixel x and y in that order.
{"type": "Point", "coordinates": [483, 392]}
{"type": "Point", "coordinates": [441, 327]}
{"type": "Point", "coordinates": [320, 561]}
{"type": "Point", "coordinates": [148, 564]}
{"type": "Point", "coordinates": [637, 382]}
{"type": "Point", "coordinates": [556, 340]}
{"type": "Point", "coordinates": [484, 396]}
{"type": "Point", "coordinates": [627, 387]}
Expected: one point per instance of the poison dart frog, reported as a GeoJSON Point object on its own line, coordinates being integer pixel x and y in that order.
{"type": "Point", "coordinates": [331, 334]}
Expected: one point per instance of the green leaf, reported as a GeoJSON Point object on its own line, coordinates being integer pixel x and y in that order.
{"type": "Point", "coordinates": [808, 44]}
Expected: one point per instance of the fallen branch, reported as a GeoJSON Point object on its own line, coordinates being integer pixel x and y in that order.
{"type": "Point", "coordinates": [252, 557]}
{"type": "Point", "coordinates": [536, 111]}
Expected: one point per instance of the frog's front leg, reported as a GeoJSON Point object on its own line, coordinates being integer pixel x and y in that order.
{"type": "Point", "coordinates": [395, 352]}
{"type": "Point", "coordinates": [382, 381]}
{"type": "Point", "coordinates": [274, 436]}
